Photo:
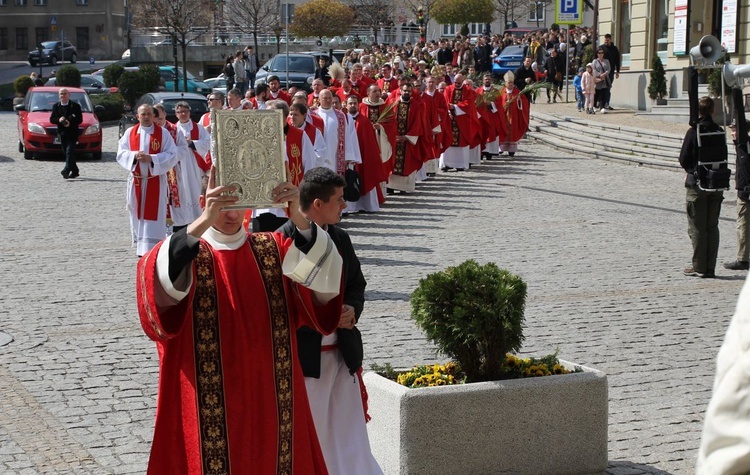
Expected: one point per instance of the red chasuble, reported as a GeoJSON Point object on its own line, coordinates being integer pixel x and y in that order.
{"type": "Point", "coordinates": [514, 116]}
{"type": "Point", "coordinates": [464, 126]}
{"type": "Point", "coordinates": [407, 157]}
{"type": "Point", "coordinates": [370, 171]}
{"type": "Point", "coordinates": [232, 396]}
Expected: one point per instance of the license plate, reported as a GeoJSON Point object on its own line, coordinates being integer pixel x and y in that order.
{"type": "Point", "coordinates": [513, 63]}
{"type": "Point", "coordinates": [56, 140]}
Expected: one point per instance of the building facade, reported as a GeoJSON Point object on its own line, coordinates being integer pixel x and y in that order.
{"type": "Point", "coordinates": [97, 28]}
{"type": "Point", "coordinates": [643, 29]}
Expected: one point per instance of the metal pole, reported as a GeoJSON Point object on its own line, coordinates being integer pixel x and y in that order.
{"type": "Point", "coordinates": [567, 63]}
{"type": "Point", "coordinates": [286, 34]}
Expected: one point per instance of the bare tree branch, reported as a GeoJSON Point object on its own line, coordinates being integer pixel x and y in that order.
{"type": "Point", "coordinates": [253, 16]}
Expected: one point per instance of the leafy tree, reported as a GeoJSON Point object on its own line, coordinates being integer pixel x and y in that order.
{"type": "Point", "coordinates": [506, 9]}
{"type": "Point", "coordinates": [183, 20]}
{"type": "Point", "coordinates": [22, 84]}
{"type": "Point", "coordinates": [657, 85]}
{"type": "Point", "coordinates": [68, 75]}
{"type": "Point", "coordinates": [253, 16]}
{"type": "Point", "coordinates": [463, 12]}
{"type": "Point", "coordinates": [321, 18]}
{"type": "Point", "coordinates": [111, 74]}
{"type": "Point", "coordinates": [371, 13]}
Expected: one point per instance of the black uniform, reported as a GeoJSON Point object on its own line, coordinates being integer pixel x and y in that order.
{"type": "Point", "coordinates": [68, 133]}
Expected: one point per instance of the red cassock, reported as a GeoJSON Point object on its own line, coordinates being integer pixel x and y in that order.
{"type": "Point", "coordinates": [407, 157]}
{"type": "Point", "coordinates": [489, 120]}
{"type": "Point", "coordinates": [387, 86]}
{"type": "Point", "coordinates": [514, 116]}
{"type": "Point", "coordinates": [283, 95]}
{"type": "Point", "coordinates": [445, 137]}
{"type": "Point", "coordinates": [370, 171]}
{"type": "Point", "coordinates": [232, 396]}
{"type": "Point", "coordinates": [431, 120]}
{"type": "Point", "coordinates": [464, 126]}
{"type": "Point", "coordinates": [389, 125]}
{"type": "Point", "coordinates": [344, 96]}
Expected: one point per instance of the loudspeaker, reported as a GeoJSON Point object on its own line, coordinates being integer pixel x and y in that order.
{"type": "Point", "coordinates": [734, 74]}
{"type": "Point", "coordinates": [708, 51]}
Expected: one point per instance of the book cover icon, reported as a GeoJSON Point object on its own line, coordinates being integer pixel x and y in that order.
{"type": "Point", "coordinates": [247, 147]}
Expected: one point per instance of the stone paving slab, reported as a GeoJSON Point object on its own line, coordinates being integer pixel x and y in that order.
{"type": "Point", "coordinates": [600, 244]}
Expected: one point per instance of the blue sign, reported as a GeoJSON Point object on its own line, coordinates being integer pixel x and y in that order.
{"type": "Point", "coordinates": [569, 12]}
{"type": "Point", "coordinates": [53, 20]}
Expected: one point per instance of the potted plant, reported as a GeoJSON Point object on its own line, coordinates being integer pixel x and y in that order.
{"type": "Point", "coordinates": [657, 85]}
{"type": "Point", "coordinates": [474, 314]}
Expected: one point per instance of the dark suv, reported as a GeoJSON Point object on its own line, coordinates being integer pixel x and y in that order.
{"type": "Point", "coordinates": [52, 52]}
{"type": "Point", "coordinates": [301, 70]}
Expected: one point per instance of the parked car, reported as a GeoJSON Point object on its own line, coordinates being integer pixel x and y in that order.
{"type": "Point", "coordinates": [301, 69]}
{"type": "Point", "coordinates": [198, 106]}
{"type": "Point", "coordinates": [509, 59]}
{"type": "Point", "coordinates": [193, 84]}
{"type": "Point", "coordinates": [37, 135]}
{"type": "Point", "coordinates": [89, 83]}
{"type": "Point", "coordinates": [217, 84]}
{"type": "Point", "coordinates": [54, 51]}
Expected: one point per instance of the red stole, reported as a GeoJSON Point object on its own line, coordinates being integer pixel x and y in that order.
{"type": "Point", "coordinates": [318, 123]}
{"type": "Point", "coordinates": [151, 206]}
{"type": "Point", "coordinates": [204, 165]}
{"type": "Point", "coordinates": [294, 153]}
{"type": "Point", "coordinates": [174, 191]}
{"type": "Point", "coordinates": [205, 122]}
{"type": "Point", "coordinates": [310, 131]}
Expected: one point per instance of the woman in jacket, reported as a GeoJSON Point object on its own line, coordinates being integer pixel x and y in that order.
{"type": "Point", "coordinates": [601, 69]}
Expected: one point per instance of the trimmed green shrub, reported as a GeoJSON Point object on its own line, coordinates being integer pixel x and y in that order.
{"type": "Point", "coordinates": [588, 55]}
{"type": "Point", "coordinates": [111, 74]}
{"type": "Point", "coordinates": [114, 106]}
{"type": "Point", "coordinates": [151, 77]}
{"type": "Point", "coordinates": [474, 314]}
{"type": "Point", "coordinates": [132, 86]}
{"type": "Point", "coordinates": [68, 75]}
{"type": "Point", "coordinates": [657, 84]}
{"type": "Point", "coordinates": [22, 84]}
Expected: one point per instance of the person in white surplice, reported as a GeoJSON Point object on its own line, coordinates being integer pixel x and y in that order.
{"type": "Point", "coordinates": [148, 152]}
{"type": "Point", "coordinates": [340, 135]}
{"type": "Point", "coordinates": [332, 364]}
{"type": "Point", "coordinates": [192, 167]}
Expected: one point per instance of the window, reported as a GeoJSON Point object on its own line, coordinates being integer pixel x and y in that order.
{"type": "Point", "coordinates": [3, 3]}
{"type": "Point", "coordinates": [537, 11]}
{"type": "Point", "coordinates": [476, 29]}
{"type": "Point", "coordinates": [661, 42]}
{"type": "Point", "coordinates": [3, 38]}
{"type": "Point", "coordinates": [624, 39]}
{"type": "Point", "coordinates": [82, 3]}
{"type": "Point", "coordinates": [22, 38]}
{"type": "Point", "coordinates": [42, 34]}
{"type": "Point", "coordinates": [21, 3]}
{"type": "Point", "coordinates": [40, 3]}
{"type": "Point", "coordinates": [82, 37]}
{"type": "Point", "coordinates": [449, 30]}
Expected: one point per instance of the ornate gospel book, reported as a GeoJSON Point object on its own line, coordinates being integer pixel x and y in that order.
{"type": "Point", "coordinates": [248, 151]}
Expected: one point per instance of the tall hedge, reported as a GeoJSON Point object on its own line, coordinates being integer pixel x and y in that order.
{"type": "Point", "coordinates": [111, 74]}
{"type": "Point", "coordinates": [69, 76]}
{"type": "Point", "coordinates": [22, 84]}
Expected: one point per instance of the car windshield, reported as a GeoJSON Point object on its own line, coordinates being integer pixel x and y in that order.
{"type": "Point", "coordinates": [43, 101]}
{"type": "Point", "coordinates": [167, 74]}
{"type": "Point", "coordinates": [297, 64]}
{"type": "Point", "coordinates": [513, 50]}
{"type": "Point", "coordinates": [196, 105]}
{"type": "Point", "coordinates": [49, 44]}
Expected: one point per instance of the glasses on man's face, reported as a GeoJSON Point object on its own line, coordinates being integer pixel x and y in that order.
{"type": "Point", "coordinates": [600, 52]}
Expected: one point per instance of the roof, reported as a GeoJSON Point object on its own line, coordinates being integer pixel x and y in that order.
{"type": "Point", "coordinates": [56, 88]}
{"type": "Point", "coordinates": [161, 96]}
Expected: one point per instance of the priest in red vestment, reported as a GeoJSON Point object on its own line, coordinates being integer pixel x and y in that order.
{"type": "Point", "coordinates": [408, 155]}
{"type": "Point", "coordinates": [371, 172]}
{"type": "Point", "coordinates": [461, 101]}
{"type": "Point", "coordinates": [382, 117]}
{"type": "Point", "coordinates": [514, 116]}
{"type": "Point", "coordinates": [223, 308]}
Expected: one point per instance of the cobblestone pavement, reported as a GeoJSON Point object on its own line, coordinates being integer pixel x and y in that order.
{"type": "Point", "coordinates": [601, 245]}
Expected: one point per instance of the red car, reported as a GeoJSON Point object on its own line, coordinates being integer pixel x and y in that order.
{"type": "Point", "coordinates": [37, 135]}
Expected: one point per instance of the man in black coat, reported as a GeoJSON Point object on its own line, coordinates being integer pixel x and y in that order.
{"type": "Point", "coordinates": [444, 54]}
{"type": "Point", "coordinates": [68, 116]}
{"type": "Point", "coordinates": [332, 364]}
{"type": "Point", "coordinates": [742, 185]}
{"type": "Point", "coordinates": [611, 54]}
{"type": "Point", "coordinates": [525, 76]}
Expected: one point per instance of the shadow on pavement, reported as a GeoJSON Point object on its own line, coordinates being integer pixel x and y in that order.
{"type": "Point", "coordinates": [630, 468]}
{"type": "Point", "coordinates": [6, 159]}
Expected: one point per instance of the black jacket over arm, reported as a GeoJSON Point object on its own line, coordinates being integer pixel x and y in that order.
{"type": "Point", "coordinates": [72, 112]}
{"type": "Point", "coordinates": [349, 341]}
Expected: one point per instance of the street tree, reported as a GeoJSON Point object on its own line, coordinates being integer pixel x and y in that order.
{"type": "Point", "coordinates": [371, 14]}
{"type": "Point", "coordinates": [508, 10]}
{"type": "Point", "coordinates": [319, 18]}
{"type": "Point", "coordinates": [426, 5]}
{"type": "Point", "coordinates": [253, 17]}
{"type": "Point", "coordinates": [463, 12]}
{"type": "Point", "coordinates": [184, 20]}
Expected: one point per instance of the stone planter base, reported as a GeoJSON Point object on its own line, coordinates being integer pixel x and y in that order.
{"type": "Point", "coordinates": [546, 425]}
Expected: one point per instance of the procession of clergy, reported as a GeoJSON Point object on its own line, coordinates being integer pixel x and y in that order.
{"type": "Point", "coordinates": [393, 132]}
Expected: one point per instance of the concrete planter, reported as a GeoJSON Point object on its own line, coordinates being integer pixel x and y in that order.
{"type": "Point", "coordinates": [536, 426]}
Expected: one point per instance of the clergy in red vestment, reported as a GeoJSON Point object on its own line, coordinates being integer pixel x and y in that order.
{"type": "Point", "coordinates": [345, 91]}
{"type": "Point", "coordinates": [387, 83]}
{"type": "Point", "coordinates": [370, 171]}
{"type": "Point", "coordinates": [514, 116]}
{"type": "Point", "coordinates": [461, 106]}
{"type": "Point", "coordinates": [382, 116]}
{"type": "Point", "coordinates": [275, 91]}
{"type": "Point", "coordinates": [444, 138]}
{"type": "Point", "coordinates": [223, 308]}
{"type": "Point", "coordinates": [408, 153]}
{"type": "Point", "coordinates": [489, 118]}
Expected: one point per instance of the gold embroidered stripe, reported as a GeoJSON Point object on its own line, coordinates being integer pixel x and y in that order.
{"type": "Point", "coordinates": [269, 261]}
{"type": "Point", "coordinates": [209, 375]}
{"type": "Point", "coordinates": [401, 121]}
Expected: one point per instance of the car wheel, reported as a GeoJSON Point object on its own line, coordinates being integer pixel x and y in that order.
{"type": "Point", "coordinates": [32, 63]}
{"type": "Point", "coordinates": [97, 155]}
{"type": "Point", "coordinates": [20, 147]}
{"type": "Point", "coordinates": [28, 155]}
{"type": "Point", "coordinates": [53, 60]}
{"type": "Point", "coordinates": [73, 58]}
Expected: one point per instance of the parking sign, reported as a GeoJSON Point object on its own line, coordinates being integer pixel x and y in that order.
{"type": "Point", "coordinates": [569, 12]}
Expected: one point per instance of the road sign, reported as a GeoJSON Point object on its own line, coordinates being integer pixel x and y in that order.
{"type": "Point", "coordinates": [569, 12]}
{"type": "Point", "coordinates": [53, 21]}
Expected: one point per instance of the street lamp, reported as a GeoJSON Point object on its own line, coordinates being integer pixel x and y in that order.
{"type": "Point", "coordinates": [538, 5]}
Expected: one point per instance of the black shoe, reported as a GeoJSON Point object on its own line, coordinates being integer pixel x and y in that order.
{"type": "Point", "coordinates": [65, 174]}
{"type": "Point", "coordinates": [445, 169]}
{"type": "Point", "coordinates": [609, 108]}
{"type": "Point", "coordinates": [389, 191]}
{"type": "Point", "coordinates": [512, 154]}
{"type": "Point", "coordinates": [459, 169]}
{"type": "Point", "coordinates": [74, 175]}
{"type": "Point", "coordinates": [737, 265]}
{"type": "Point", "coordinates": [691, 272]}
